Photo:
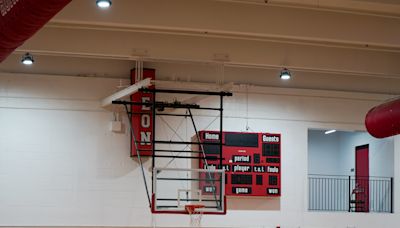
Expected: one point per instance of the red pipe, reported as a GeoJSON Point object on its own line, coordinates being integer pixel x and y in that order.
{"type": "Point", "coordinates": [19, 20]}
{"type": "Point", "coordinates": [384, 120]}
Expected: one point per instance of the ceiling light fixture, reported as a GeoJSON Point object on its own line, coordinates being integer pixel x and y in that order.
{"type": "Point", "coordinates": [330, 131]}
{"type": "Point", "coordinates": [285, 74]}
{"type": "Point", "coordinates": [103, 3]}
{"type": "Point", "coordinates": [27, 59]}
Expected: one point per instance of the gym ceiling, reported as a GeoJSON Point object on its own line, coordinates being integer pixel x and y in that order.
{"type": "Point", "coordinates": [348, 45]}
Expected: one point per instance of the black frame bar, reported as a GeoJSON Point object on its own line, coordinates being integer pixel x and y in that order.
{"type": "Point", "coordinates": [209, 93]}
{"type": "Point", "coordinates": [190, 157]}
{"type": "Point", "coordinates": [162, 105]}
{"type": "Point", "coordinates": [157, 107]}
{"type": "Point", "coordinates": [175, 151]}
{"type": "Point", "coordinates": [180, 142]}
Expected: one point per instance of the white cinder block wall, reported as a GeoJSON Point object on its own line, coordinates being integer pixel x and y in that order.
{"type": "Point", "coordinates": [61, 166]}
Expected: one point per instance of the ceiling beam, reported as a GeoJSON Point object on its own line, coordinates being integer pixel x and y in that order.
{"type": "Point", "coordinates": [121, 44]}
{"type": "Point", "coordinates": [239, 20]}
{"type": "Point", "coordinates": [382, 8]}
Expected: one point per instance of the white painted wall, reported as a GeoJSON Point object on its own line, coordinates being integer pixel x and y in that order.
{"type": "Point", "coordinates": [334, 154]}
{"type": "Point", "coordinates": [60, 165]}
{"type": "Point", "coordinates": [380, 153]}
{"type": "Point", "coordinates": [323, 153]}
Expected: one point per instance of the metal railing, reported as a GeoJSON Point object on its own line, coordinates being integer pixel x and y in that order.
{"type": "Point", "coordinates": [349, 193]}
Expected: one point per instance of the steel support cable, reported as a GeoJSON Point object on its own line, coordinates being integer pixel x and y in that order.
{"type": "Point", "coordinates": [175, 133]}
{"type": "Point", "coordinates": [138, 154]}
{"type": "Point", "coordinates": [212, 122]}
{"type": "Point", "coordinates": [205, 159]}
{"type": "Point", "coordinates": [202, 151]}
{"type": "Point", "coordinates": [164, 130]}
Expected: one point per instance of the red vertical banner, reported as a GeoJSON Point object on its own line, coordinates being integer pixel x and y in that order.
{"type": "Point", "coordinates": [142, 117]}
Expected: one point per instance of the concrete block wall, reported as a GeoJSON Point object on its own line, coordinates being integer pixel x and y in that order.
{"type": "Point", "coordinates": [61, 166]}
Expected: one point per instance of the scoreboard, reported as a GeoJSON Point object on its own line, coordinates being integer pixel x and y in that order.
{"type": "Point", "coordinates": [252, 162]}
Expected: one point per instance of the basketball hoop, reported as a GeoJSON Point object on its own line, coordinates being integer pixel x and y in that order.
{"type": "Point", "coordinates": [195, 215]}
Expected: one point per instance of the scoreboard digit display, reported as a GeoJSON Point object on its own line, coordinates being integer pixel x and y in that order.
{"type": "Point", "coordinates": [252, 162]}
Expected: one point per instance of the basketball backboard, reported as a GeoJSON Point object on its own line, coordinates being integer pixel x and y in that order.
{"type": "Point", "coordinates": [176, 188]}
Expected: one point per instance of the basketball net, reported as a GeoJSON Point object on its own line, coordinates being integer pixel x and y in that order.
{"type": "Point", "coordinates": [195, 215]}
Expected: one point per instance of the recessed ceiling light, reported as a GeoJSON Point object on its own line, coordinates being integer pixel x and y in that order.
{"type": "Point", "coordinates": [330, 131]}
{"type": "Point", "coordinates": [27, 59]}
{"type": "Point", "coordinates": [103, 3]}
{"type": "Point", "coordinates": [285, 74]}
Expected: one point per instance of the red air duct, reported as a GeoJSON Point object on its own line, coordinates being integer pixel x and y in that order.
{"type": "Point", "coordinates": [20, 19]}
{"type": "Point", "coordinates": [384, 120]}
